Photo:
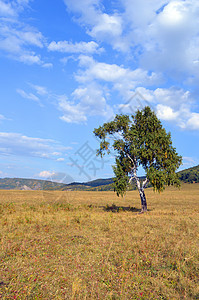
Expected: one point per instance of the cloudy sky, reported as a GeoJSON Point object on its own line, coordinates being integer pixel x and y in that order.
{"type": "Point", "coordinates": [67, 66]}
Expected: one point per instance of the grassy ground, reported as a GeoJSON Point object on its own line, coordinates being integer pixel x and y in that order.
{"type": "Point", "coordinates": [77, 245]}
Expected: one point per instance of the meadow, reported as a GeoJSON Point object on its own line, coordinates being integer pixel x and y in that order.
{"type": "Point", "coordinates": [94, 245]}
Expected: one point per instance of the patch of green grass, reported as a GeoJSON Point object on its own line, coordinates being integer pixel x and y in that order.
{"type": "Point", "coordinates": [72, 245]}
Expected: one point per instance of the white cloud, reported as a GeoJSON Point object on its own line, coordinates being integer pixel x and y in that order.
{"type": "Point", "coordinates": [60, 159]}
{"type": "Point", "coordinates": [167, 37]}
{"type": "Point", "coordinates": [92, 102]}
{"type": "Point", "coordinates": [106, 27]}
{"type": "Point", "coordinates": [47, 65]}
{"type": "Point", "coordinates": [6, 9]}
{"type": "Point", "coordinates": [166, 113]}
{"type": "Point", "coordinates": [17, 39]}
{"type": "Point", "coordinates": [30, 59]}
{"type": "Point", "coordinates": [85, 101]}
{"type": "Point", "coordinates": [21, 145]}
{"type": "Point", "coordinates": [56, 177]}
{"type": "Point", "coordinates": [162, 35]}
{"type": "Point", "coordinates": [36, 93]}
{"type": "Point", "coordinates": [192, 122]}
{"type": "Point", "coordinates": [81, 47]}
{"type": "Point", "coordinates": [173, 105]}
{"type": "Point", "coordinates": [40, 90]}
{"type": "Point", "coordinates": [123, 79]}
{"type": "Point", "coordinates": [31, 37]}
{"type": "Point", "coordinates": [12, 8]}
{"type": "Point", "coordinates": [188, 162]}
{"type": "Point", "coordinates": [95, 80]}
{"type": "Point", "coordinates": [72, 112]}
{"type": "Point", "coordinates": [100, 25]}
{"type": "Point", "coordinates": [56, 153]}
{"type": "Point", "coordinates": [173, 96]}
{"type": "Point", "coordinates": [29, 96]}
{"type": "Point", "coordinates": [46, 174]}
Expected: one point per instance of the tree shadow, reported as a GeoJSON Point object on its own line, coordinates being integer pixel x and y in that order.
{"type": "Point", "coordinates": [116, 209]}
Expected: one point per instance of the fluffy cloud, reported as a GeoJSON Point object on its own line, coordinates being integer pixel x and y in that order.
{"type": "Point", "coordinates": [97, 82]}
{"type": "Point", "coordinates": [107, 26]}
{"type": "Point", "coordinates": [46, 174]}
{"type": "Point", "coordinates": [166, 34]}
{"type": "Point", "coordinates": [122, 79]}
{"type": "Point", "coordinates": [56, 177]}
{"type": "Point", "coordinates": [100, 25]}
{"type": "Point", "coordinates": [18, 144]}
{"type": "Point", "coordinates": [87, 101]}
{"type": "Point", "coordinates": [166, 113]}
{"type": "Point", "coordinates": [17, 38]}
{"type": "Point", "coordinates": [68, 47]}
{"type": "Point", "coordinates": [12, 8]}
{"type": "Point", "coordinates": [173, 105]}
{"type": "Point", "coordinates": [192, 122]}
{"type": "Point", "coordinates": [162, 35]}
{"type": "Point", "coordinates": [61, 159]}
{"type": "Point", "coordinates": [6, 9]}
{"type": "Point", "coordinates": [16, 41]}
{"type": "Point", "coordinates": [72, 112]}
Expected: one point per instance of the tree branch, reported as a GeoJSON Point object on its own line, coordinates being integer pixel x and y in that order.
{"type": "Point", "coordinates": [144, 184]}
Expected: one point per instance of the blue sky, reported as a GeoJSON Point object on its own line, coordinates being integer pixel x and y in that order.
{"type": "Point", "coordinates": [68, 66]}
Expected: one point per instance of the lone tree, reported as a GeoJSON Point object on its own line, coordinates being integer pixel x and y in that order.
{"type": "Point", "coordinates": [140, 140]}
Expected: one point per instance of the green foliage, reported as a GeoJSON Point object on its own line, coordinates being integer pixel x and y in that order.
{"type": "Point", "coordinates": [121, 181]}
{"type": "Point", "coordinates": [140, 141]}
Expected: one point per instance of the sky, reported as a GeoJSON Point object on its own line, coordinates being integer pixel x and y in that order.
{"type": "Point", "coordinates": [68, 66]}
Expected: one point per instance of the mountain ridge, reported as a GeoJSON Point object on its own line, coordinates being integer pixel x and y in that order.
{"type": "Point", "coordinates": [190, 175]}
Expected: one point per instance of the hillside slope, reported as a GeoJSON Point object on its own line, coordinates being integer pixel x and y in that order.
{"type": "Point", "coordinates": [28, 184]}
{"type": "Point", "coordinates": [190, 175]}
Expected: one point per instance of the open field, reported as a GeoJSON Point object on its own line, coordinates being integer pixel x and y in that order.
{"type": "Point", "coordinates": [71, 245]}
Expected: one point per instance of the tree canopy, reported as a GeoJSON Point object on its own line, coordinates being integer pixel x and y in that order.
{"type": "Point", "coordinates": [140, 140]}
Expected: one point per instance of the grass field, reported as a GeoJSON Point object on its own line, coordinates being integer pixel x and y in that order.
{"type": "Point", "coordinates": [78, 245]}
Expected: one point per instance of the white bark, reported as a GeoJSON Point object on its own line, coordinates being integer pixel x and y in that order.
{"type": "Point", "coordinates": [144, 184]}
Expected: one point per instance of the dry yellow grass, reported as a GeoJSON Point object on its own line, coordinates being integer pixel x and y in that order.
{"type": "Point", "coordinates": [70, 245]}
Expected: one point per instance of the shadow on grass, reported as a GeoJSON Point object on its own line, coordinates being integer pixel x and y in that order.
{"type": "Point", "coordinates": [115, 208]}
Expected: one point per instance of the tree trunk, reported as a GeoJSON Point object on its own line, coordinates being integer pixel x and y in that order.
{"type": "Point", "coordinates": [143, 201]}
{"type": "Point", "coordinates": [140, 188]}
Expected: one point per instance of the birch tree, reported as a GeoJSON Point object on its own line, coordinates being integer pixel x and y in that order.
{"type": "Point", "coordinates": [139, 140]}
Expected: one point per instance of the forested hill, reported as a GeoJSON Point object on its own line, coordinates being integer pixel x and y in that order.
{"type": "Point", "coordinates": [190, 175]}
{"type": "Point", "coordinates": [28, 184]}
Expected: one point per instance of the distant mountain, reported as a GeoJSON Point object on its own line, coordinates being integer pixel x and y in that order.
{"type": "Point", "coordinates": [28, 184]}
{"type": "Point", "coordinates": [190, 175]}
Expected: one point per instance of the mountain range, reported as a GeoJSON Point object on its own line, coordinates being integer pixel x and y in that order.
{"type": "Point", "coordinates": [190, 175]}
